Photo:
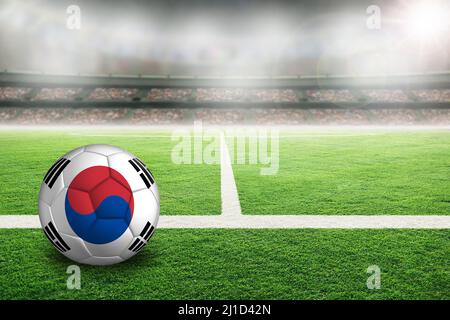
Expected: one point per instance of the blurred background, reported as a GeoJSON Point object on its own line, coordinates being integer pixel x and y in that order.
{"type": "Point", "coordinates": [260, 62]}
{"type": "Point", "coordinates": [226, 38]}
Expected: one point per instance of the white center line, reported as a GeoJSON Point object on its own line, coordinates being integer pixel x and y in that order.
{"type": "Point", "coordinates": [231, 206]}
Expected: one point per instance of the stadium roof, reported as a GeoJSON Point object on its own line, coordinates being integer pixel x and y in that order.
{"type": "Point", "coordinates": [429, 80]}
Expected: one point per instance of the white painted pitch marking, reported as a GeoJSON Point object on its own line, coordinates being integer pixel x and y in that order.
{"type": "Point", "coordinates": [231, 206]}
{"type": "Point", "coordinates": [232, 218]}
{"type": "Point", "coordinates": [19, 221]}
{"type": "Point", "coordinates": [269, 222]}
{"type": "Point", "coordinates": [305, 221]}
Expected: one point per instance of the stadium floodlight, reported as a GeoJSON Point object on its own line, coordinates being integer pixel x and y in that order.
{"type": "Point", "coordinates": [427, 20]}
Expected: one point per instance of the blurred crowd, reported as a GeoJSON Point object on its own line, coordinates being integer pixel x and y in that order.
{"type": "Point", "coordinates": [56, 94]}
{"type": "Point", "coordinates": [330, 96]}
{"type": "Point", "coordinates": [431, 95]}
{"type": "Point", "coordinates": [156, 116]}
{"type": "Point", "coordinates": [353, 116]}
{"type": "Point", "coordinates": [112, 94]}
{"type": "Point", "coordinates": [13, 93]}
{"type": "Point", "coordinates": [179, 95]}
{"type": "Point", "coordinates": [206, 97]}
{"type": "Point", "coordinates": [237, 95]}
{"type": "Point", "coordinates": [380, 95]}
{"type": "Point", "coordinates": [225, 116]}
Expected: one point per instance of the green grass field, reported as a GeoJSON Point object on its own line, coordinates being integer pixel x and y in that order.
{"type": "Point", "coordinates": [239, 264]}
{"type": "Point", "coordinates": [26, 157]}
{"type": "Point", "coordinates": [330, 172]}
{"type": "Point", "coordinates": [378, 172]}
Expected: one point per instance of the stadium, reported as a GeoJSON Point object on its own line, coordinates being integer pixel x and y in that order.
{"type": "Point", "coordinates": [42, 99]}
{"type": "Point", "coordinates": [326, 162]}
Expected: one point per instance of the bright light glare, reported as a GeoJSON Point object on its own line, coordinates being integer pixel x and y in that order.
{"type": "Point", "coordinates": [427, 20]}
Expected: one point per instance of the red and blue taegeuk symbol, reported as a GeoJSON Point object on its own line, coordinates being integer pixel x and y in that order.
{"type": "Point", "coordinates": [99, 204]}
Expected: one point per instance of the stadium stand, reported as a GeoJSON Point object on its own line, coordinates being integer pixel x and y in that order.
{"type": "Point", "coordinates": [432, 95]}
{"type": "Point", "coordinates": [164, 116]}
{"type": "Point", "coordinates": [331, 96]}
{"type": "Point", "coordinates": [165, 101]}
{"type": "Point", "coordinates": [13, 93]}
{"type": "Point", "coordinates": [112, 94]}
{"type": "Point", "coordinates": [168, 94]}
{"type": "Point", "coordinates": [229, 95]}
{"type": "Point", "coordinates": [157, 116]}
{"type": "Point", "coordinates": [386, 96]}
{"type": "Point", "coordinates": [56, 94]}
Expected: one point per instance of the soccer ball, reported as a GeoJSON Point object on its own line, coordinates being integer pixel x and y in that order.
{"type": "Point", "coordinates": [99, 205]}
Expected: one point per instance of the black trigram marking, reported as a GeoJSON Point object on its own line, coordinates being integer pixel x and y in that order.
{"type": "Point", "coordinates": [55, 238]}
{"type": "Point", "coordinates": [143, 171]}
{"type": "Point", "coordinates": [145, 234]}
{"type": "Point", "coordinates": [147, 184]}
{"type": "Point", "coordinates": [52, 167]}
{"type": "Point", "coordinates": [135, 243]}
{"type": "Point", "coordinates": [140, 246]}
{"type": "Point", "coordinates": [149, 233]}
{"type": "Point", "coordinates": [147, 225]}
{"type": "Point", "coordinates": [55, 171]}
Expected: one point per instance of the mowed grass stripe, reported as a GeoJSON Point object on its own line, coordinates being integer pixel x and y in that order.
{"type": "Point", "coordinates": [239, 264]}
{"type": "Point", "coordinates": [390, 173]}
{"type": "Point", "coordinates": [27, 155]}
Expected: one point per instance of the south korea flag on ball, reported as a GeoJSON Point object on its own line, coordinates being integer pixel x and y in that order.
{"type": "Point", "coordinates": [99, 205]}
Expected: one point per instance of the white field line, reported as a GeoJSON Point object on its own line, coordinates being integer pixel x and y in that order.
{"type": "Point", "coordinates": [307, 221]}
{"type": "Point", "coordinates": [231, 206]}
{"type": "Point", "coordinates": [270, 222]}
{"type": "Point", "coordinates": [232, 218]}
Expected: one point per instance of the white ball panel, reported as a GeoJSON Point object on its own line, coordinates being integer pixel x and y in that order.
{"type": "Point", "coordinates": [80, 162]}
{"type": "Point", "coordinates": [72, 154]}
{"type": "Point", "coordinates": [154, 187]}
{"type": "Point", "coordinates": [112, 248]}
{"type": "Point", "coordinates": [103, 149]}
{"type": "Point", "coordinates": [47, 195]}
{"type": "Point", "coordinates": [45, 215]}
{"type": "Point", "coordinates": [127, 254]}
{"type": "Point", "coordinates": [155, 191]}
{"type": "Point", "coordinates": [102, 261]}
{"type": "Point", "coordinates": [145, 209]}
{"type": "Point", "coordinates": [156, 212]}
{"type": "Point", "coordinates": [58, 212]}
{"type": "Point", "coordinates": [120, 163]}
{"type": "Point", "coordinates": [78, 251]}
